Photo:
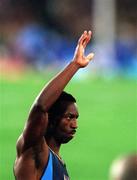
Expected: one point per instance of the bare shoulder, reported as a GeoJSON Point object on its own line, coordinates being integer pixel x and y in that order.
{"type": "Point", "coordinates": [19, 144]}
{"type": "Point", "coordinates": [32, 161]}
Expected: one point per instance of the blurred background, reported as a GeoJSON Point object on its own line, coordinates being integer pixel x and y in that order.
{"type": "Point", "coordinates": [37, 39]}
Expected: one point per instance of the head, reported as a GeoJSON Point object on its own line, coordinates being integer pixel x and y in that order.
{"type": "Point", "coordinates": [62, 117]}
{"type": "Point", "coordinates": [124, 168]}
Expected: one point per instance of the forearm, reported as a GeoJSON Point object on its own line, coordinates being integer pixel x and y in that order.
{"type": "Point", "coordinates": [53, 89]}
{"type": "Point", "coordinates": [38, 118]}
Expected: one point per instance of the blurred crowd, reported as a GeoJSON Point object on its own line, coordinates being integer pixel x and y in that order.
{"type": "Point", "coordinates": [124, 167]}
{"type": "Point", "coordinates": [44, 33]}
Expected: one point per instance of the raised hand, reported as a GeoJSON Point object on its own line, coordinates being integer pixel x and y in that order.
{"type": "Point", "coordinates": [79, 57]}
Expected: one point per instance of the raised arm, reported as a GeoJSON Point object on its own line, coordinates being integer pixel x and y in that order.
{"type": "Point", "coordinates": [54, 88]}
{"type": "Point", "coordinates": [37, 122]}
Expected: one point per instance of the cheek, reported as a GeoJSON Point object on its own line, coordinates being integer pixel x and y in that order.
{"type": "Point", "coordinates": [64, 125]}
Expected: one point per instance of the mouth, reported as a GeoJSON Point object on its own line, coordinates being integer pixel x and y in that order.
{"type": "Point", "coordinates": [72, 132]}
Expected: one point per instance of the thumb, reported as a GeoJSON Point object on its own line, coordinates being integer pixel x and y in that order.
{"type": "Point", "coordinates": [90, 56]}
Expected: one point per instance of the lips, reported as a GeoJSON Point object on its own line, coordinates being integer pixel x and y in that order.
{"type": "Point", "coordinates": [72, 132]}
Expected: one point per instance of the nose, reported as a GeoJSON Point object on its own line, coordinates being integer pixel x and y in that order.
{"type": "Point", "coordinates": [74, 124]}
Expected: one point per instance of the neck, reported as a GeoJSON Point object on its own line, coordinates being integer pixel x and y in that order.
{"type": "Point", "coordinates": [54, 145]}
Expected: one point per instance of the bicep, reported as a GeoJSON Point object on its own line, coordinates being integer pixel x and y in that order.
{"type": "Point", "coordinates": [35, 127]}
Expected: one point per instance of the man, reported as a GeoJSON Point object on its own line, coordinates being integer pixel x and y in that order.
{"type": "Point", "coordinates": [124, 168]}
{"type": "Point", "coordinates": [52, 121]}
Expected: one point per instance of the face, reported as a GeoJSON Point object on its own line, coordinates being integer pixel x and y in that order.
{"type": "Point", "coordinates": [68, 124]}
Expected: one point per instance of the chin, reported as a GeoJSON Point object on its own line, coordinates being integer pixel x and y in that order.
{"type": "Point", "coordinates": [64, 140]}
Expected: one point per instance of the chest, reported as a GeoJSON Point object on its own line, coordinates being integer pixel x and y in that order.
{"type": "Point", "coordinates": [55, 169]}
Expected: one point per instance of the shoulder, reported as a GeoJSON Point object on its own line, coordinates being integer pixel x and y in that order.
{"type": "Point", "coordinates": [39, 147]}
{"type": "Point", "coordinates": [35, 156]}
{"type": "Point", "coordinates": [19, 144]}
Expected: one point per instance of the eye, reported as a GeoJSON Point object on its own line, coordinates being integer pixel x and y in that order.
{"type": "Point", "coordinates": [70, 116]}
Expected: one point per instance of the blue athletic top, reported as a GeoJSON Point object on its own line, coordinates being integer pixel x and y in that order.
{"type": "Point", "coordinates": [55, 169]}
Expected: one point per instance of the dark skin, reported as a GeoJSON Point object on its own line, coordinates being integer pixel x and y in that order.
{"type": "Point", "coordinates": [32, 148]}
{"type": "Point", "coordinates": [66, 129]}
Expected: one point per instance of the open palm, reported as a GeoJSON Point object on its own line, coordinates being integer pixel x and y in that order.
{"type": "Point", "coordinates": [79, 56]}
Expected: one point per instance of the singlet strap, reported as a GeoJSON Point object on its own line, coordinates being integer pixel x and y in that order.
{"type": "Point", "coordinates": [48, 173]}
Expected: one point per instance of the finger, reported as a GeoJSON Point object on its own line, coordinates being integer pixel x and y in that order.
{"type": "Point", "coordinates": [83, 36]}
{"type": "Point", "coordinates": [83, 41]}
{"type": "Point", "coordinates": [90, 32]}
{"type": "Point", "coordinates": [87, 39]}
{"type": "Point", "coordinates": [90, 56]}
